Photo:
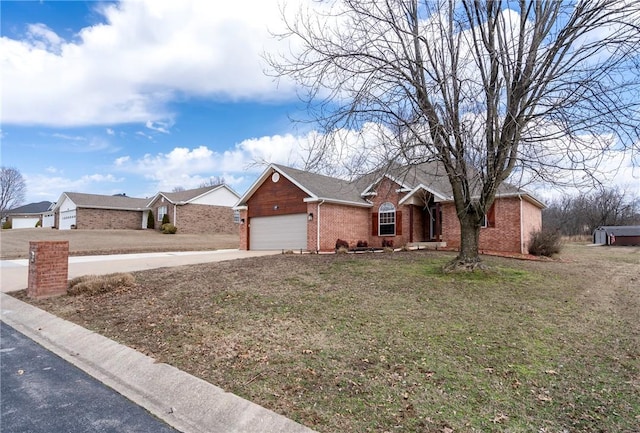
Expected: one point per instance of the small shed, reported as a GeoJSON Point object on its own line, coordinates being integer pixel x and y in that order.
{"type": "Point", "coordinates": [617, 235]}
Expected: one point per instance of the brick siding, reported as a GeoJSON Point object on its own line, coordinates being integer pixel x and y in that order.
{"type": "Point", "coordinates": [200, 218]}
{"type": "Point", "coordinates": [505, 236]}
{"type": "Point", "coordinates": [100, 219]}
{"type": "Point", "coordinates": [348, 223]}
{"type": "Point", "coordinates": [49, 269]}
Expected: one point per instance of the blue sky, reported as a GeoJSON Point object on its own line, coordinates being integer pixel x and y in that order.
{"type": "Point", "coordinates": [108, 97]}
{"type": "Point", "coordinates": [147, 95]}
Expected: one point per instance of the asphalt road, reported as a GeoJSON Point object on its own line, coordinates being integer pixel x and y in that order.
{"type": "Point", "coordinates": [42, 393]}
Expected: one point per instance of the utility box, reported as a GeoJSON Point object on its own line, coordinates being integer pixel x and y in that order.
{"type": "Point", "coordinates": [48, 268]}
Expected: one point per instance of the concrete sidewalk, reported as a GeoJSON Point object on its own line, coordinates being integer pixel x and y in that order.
{"type": "Point", "coordinates": [185, 402]}
{"type": "Point", "coordinates": [15, 272]}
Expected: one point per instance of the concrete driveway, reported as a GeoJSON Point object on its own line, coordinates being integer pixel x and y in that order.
{"type": "Point", "coordinates": [15, 272]}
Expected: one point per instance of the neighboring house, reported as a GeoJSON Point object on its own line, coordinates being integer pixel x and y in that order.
{"type": "Point", "coordinates": [201, 210]}
{"type": "Point", "coordinates": [617, 235]}
{"type": "Point", "coordinates": [96, 212]}
{"type": "Point", "coordinates": [287, 208]}
{"type": "Point", "coordinates": [28, 216]}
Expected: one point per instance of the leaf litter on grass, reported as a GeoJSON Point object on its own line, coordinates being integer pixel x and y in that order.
{"type": "Point", "coordinates": [386, 342]}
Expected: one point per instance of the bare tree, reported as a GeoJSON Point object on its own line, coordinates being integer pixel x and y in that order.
{"type": "Point", "coordinates": [12, 189]}
{"type": "Point", "coordinates": [178, 188]}
{"type": "Point", "coordinates": [213, 181]}
{"type": "Point", "coordinates": [582, 214]}
{"type": "Point", "coordinates": [491, 90]}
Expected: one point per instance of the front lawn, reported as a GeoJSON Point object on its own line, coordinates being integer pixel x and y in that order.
{"type": "Point", "coordinates": [387, 343]}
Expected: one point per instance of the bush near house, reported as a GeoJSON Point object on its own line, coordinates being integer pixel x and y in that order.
{"type": "Point", "coordinates": [545, 243]}
{"type": "Point", "coordinates": [6, 225]}
{"type": "Point", "coordinates": [342, 244]}
{"type": "Point", "coordinates": [165, 219]}
{"type": "Point", "coordinates": [151, 222]}
{"type": "Point", "coordinates": [169, 229]}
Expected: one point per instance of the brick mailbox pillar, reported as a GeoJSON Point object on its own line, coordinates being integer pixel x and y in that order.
{"type": "Point", "coordinates": [48, 268]}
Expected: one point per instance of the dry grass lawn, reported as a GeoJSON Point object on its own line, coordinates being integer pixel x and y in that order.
{"type": "Point", "coordinates": [387, 343]}
{"type": "Point", "coordinates": [15, 243]}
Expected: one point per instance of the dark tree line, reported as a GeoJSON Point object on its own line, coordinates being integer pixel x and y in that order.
{"type": "Point", "coordinates": [582, 214]}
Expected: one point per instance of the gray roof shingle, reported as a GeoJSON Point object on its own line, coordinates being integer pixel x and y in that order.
{"type": "Point", "coordinates": [107, 201]}
{"type": "Point", "coordinates": [31, 208]}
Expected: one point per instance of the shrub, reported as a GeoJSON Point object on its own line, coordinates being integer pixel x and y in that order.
{"type": "Point", "coordinates": [388, 250]}
{"type": "Point", "coordinates": [545, 243]}
{"type": "Point", "coordinates": [151, 221]}
{"type": "Point", "coordinates": [169, 229]}
{"type": "Point", "coordinates": [387, 243]}
{"type": "Point", "coordinates": [362, 244]}
{"type": "Point", "coordinates": [342, 250]}
{"type": "Point", "coordinates": [95, 284]}
{"type": "Point", "coordinates": [165, 219]}
{"type": "Point", "coordinates": [6, 225]}
{"type": "Point", "coordinates": [39, 223]}
{"type": "Point", "coordinates": [342, 244]}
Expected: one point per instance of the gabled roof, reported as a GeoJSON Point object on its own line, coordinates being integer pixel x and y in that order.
{"type": "Point", "coordinates": [430, 177]}
{"type": "Point", "coordinates": [621, 230]}
{"type": "Point", "coordinates": [317, 186]}
{"type": "Point", "coordinates": [98, 201]}
{"type": "Point", "coordinates": [189, 195]}
{"type": "Point", "coordinates": [31, 208]}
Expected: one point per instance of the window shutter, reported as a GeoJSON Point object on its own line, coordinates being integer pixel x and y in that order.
{"type": "Point", "coordinates": [491, 216]}
{"type": "Point", "coordinates": [398, 223]}
{"type": "Point", "coordinates": [374, 224]}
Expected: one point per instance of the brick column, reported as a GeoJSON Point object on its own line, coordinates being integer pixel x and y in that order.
{"type": "Point", "coordinates": [48, 268]}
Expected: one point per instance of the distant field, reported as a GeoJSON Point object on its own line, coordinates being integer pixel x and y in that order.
{"type": "Point", "coordinates": [15, 243]}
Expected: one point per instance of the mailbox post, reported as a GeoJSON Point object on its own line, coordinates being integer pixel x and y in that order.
{"type": "Point", "coordinates": [48, 268]}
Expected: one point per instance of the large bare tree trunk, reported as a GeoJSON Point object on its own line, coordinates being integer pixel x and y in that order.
{"type": "Point", "coordinates": [468, 258]}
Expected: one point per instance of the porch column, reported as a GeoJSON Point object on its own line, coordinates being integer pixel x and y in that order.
{"type": "Point", "coordinates": [411, 206]}
{"type": "Point", "coordinates": [438, 224]}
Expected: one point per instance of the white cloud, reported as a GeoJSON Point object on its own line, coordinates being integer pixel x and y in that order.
{"type": "Point", "coordinates": [147, 53]}
{"type": "Point", "coordinates": [49, 187]}
{"type": "Point", "coordinates": [162, 127]}
{"type": "Point", "coordinates": [110, 131]}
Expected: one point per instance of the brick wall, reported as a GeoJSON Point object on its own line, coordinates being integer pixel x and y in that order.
{"type": "Point", "coordinates": [531, 222]}
{"type": "Point", "coordinates": [48, 268]}
{"type": "Point", "coordinates": [505, 236]}
{"type": "Point", "coordinates": [387, 192]}
{"type": "Point", "coordinates": [243, 230]}
{"type": "Point", "coordinates": [348, 223]}
{"type": "Point", "coordinates": [200, 218]}
{"type": "Point", "coordinates": [100, 219]}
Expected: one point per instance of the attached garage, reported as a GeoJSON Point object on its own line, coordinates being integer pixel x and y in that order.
{"type": "Point", "coordinates": [282, 232]}
{"type": "Point", "coordinates": [67, 219]}
{"type": "Point", "coordinates": [24, 222]}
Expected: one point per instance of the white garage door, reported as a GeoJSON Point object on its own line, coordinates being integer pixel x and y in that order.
{"type": "Point", "coordinates": [288, 232]}
{"type": "Point", "coordinates": [24, 223]}
{"type": "Point", "coordinates": [67, 219]}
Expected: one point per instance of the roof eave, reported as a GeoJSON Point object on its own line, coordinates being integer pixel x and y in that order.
{"type": "Point", "coordinates": [336, 201]}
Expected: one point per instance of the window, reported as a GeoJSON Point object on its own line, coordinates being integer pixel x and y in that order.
{"type": "Point", "coordinates": [162, 211]}
{"type": "Point", "coordinates": [489, 219]}
{"type": "Point", "coordinates": [387, 220]}
{"type": "Point", "coordinates": [236, 216]}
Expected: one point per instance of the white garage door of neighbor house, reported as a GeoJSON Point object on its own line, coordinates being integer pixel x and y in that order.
{"type": "Point", "coordinates": [67, 219]}
{"type": "Point", "coordinates": [24, 223]}
{"type": "Point", "coordinates": [288, 232]}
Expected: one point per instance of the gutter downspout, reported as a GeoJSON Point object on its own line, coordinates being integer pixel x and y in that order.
{"type": "Point", "coordinates": [318, 227]}
{"type": "Point", "coordinates": [521, 228]}
{"type": "Point", "coordinates": [175, 207]}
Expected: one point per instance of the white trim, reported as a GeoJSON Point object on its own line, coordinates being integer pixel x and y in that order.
{"type": "Point", "coordinates": [336, 201]}
{"type": "Point", "coordinates": [377, 181]}
{"type": "Point", "coordinates": [437, 197]}
{"type": "Point", "coordinates": [521, 230]}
